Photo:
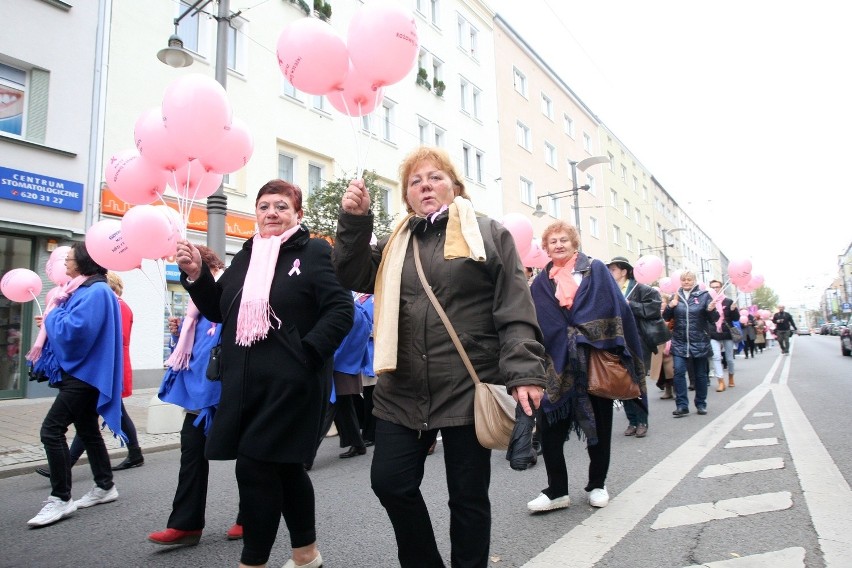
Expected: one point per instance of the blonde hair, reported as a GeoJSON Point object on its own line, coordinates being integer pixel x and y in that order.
{"type": "Point", "coordinates": [440, 159]}
{"type": "Point", "coordinates": [115, 282]}
{"type": "Point", "coordinates": [560, 226]}
{"type": "Point", "coordinates": [688, 273]}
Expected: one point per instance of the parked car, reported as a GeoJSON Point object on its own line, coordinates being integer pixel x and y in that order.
{"type": "Point", "coordinates": [803, 330]}
{"type": "Point", "coordinates": [846, 337]}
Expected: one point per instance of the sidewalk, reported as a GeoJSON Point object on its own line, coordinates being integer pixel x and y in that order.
{"type": "Point", "coordinates": [20, 421]}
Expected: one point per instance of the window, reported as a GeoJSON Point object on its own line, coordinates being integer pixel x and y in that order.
{"type": "Point", "coordinates": [314, 178]}
{"type": "Point", "coordinates": [473, 45]}
{"type": "Point", "coordinates": [647, 223]}
{"type": "Point", "coordinates": [286, 165]}
{"type": "Point", "coordinates": [587, 143]}
{"type": "Point", "coordinates": [188, 27]}
{"type": "Point", "coordinates": [13, 99]}
{"type": "Point", "coordinates": [467, 36]}
{"type": "Point", "coordinates": [387, 120]}
{"type": "Point", "coordinates": [480, 165]}
{"type": "Point", "coordinates": [384, 198]}
{"type": "Point", "coordinates": [590, 181]}
{"type": "Point", "coordinates": [594, 230]}
{"type": "Point", "coordinates": [611, 161]}
{"type": "Point", "coordinates": [527, 195]}
{"type": "Point", "coordinates": [639, 246]}
{"type": "Point", "coordinates": [318, 102]}
{"type": "Point", "coordinates": [291, 91]}
{"type": "Point", "coordinates": [437, 70]}
{"type": "Point", "coordinates": [553, 206]}
{"type": "Point", "coordinates": [236, 45]}
{"type": "Point", "coordinates": [467, 160]}
{"type": "Point", "coordinates": [626, 209]}
{"type": "Point", "coordinates": [550, 154]}
{"type": "Point", "coordinates": [546, 106]}
{"type": "Point", "coordinates": [472, 162]}
{"type": "Point", "coordinates": [367, 123]}
{"type": "Point", "coordinates": [628, 241]}
{"type": "Point", "coordinates": [637, 216]}
{"type": "Point", "coordinates": [568, 125]}
{"type": "Point", "coordinates": [645, 192]}
{"type": "Point", "coordinates": [616, 234]}
{"type": "Point", "coordinates": [476, 101]}
{"type": "Point", "coordinates": [464, 88]}
{"type": "Point", "coordinates": [623, 173]}
{"type": "Point", "coordinates": [635, 184]}
{"type": "Point", "coordinates": [423, 132]}
{"type": "Point", "coordinates": [613, 198]}
{"type": "Point", "coordinates": [524, 137]}
{"type": "Point", "coordinates": [440, 137]}
{"type": "Point", "coordinates": [435, 6]}
{"type": "Point", "coordinates": [520, 81]}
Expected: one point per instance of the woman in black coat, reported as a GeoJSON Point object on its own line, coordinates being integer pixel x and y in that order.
{"type": "Point", "coordinates": [280, 329]}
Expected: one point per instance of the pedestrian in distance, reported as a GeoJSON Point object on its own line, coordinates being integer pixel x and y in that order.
{"type": "Point", "coordinates": [749, 337]}
{"type": "Point", "coordinates": [471, 265]}
{"type": "Point", "coordinates": [759, 333]}
{"type": "Point", "coordinates": [720, 336]}
{"type": "Point", "coordinates": [580, 308]}
{"type": "Point", "coordinates": [283, 314]}
{"type": "Point", "coordinates": [82, 356]}
{"type": "Point", "coordinates": [784, 325]}
{"type": "Point", "coordinates": [185, 384]}
{"type": "Point", "coordinates": [693, 311]}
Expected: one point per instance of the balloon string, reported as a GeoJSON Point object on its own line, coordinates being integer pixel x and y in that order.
{"type": "Point", "coordinates": [37, 303]}
{"type": "Point", "coordinates": [159, 287]}
{"type": "Point", "coordinates": [352, 125]}
{"type": "Point", "coordinates": [375, 107]}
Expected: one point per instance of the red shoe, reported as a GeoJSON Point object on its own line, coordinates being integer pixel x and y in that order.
{"type": "Point", "coordinates": [175, 536]}
{"type": "Point", "coordinates": [235, 532]}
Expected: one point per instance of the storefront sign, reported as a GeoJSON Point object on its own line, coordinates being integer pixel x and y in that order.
{"type": "Point", "coordinates": [27, 187]}
{"type": "Point", "coordinates": [172, 273]}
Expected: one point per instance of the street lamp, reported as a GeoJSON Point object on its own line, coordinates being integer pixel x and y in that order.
{"type": "Point", "coordinates": [666, 245]}
{"type": "Point", "coordinates": [176, 56]}
{"type": "Point", "coordinates": [707, 260]}
{"type": "Point", "coordinates": [582, 165]}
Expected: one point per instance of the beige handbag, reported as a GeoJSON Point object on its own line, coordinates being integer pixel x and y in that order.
{"type": "Point", "coordinates": [493, 407]}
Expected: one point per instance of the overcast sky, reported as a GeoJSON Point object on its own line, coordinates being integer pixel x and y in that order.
{"type": "Point", "coordinates": [741, 109]}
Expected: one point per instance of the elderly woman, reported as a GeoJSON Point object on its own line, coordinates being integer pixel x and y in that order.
{"type": "Point", "coordinates": [580, 308]}
{"type": "Point", "coordinates": [283, 314]}
{"type": "Point", "coordinates": [79, 350]}
{"type": "Point", "coordinates": [473, 268]}
{"type": "Point", "coordinates": [693, 311]}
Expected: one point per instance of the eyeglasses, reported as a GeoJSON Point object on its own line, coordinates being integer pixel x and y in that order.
{"type": "Point", "coordinates": [71, 258]}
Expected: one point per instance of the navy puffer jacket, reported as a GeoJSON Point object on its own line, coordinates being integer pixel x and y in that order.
{"type": "Point", "coordinates": [690, 337]}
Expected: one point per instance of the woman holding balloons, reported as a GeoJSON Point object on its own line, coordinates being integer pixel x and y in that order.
{"type": "Point", "coordinates": [82, 356]}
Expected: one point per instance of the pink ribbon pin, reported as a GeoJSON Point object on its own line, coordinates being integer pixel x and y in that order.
{"type": "Point", "coordinates": [295, 268]}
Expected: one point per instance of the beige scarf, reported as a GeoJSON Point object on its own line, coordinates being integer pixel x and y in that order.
{"type": "Point", "coordinates": [463, 241]}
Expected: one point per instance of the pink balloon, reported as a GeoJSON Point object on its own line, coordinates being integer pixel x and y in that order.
{"type": "Point", "coordinates": [194, 182]}
{"type": "Point", "coordinates": [149, 231]}
{"type": "Point", "coordinates": [756, 281]}
{"type": "Point", "coordinates": [135, 179]}
{"type": "Point", "coordinates": [383, 41]}
{"type": "Point", "coordinates": [668, 285]}
{"type": "Point", "coordinates": [536, 257]}
{"type": "Point", "coordinates": [647, 269]}
{"type": "Point", "coordinates": [107, 247]}
{"type": "Point", "coordinates": [765, 314]}
{"type": "Point", "coordinates": [196, 112]}
{"type": "Point", "coordinates": [312, 56]}
{"type": "Point", "coordinates": [178, 226]}
{"type": "Point", "coordinates": [20, 285]}
{"type": "Point", "coordinates": [740, 271]}
{"type": "Point", "coordinates": [154, 142]}
{"type": "Point", "coordinates": [55, 266]}
{"type": "Point", "coordinates": [744, 319]}
{"type": "Point", "coordinates": [522, 231]}
{"type": "Point", "coordinates": [233, 151]}
{"type": "Point", "coordinates": [357, 96]}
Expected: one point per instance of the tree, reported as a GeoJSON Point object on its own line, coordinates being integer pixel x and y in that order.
{"type": "Point", "coordinates": [323, 207]}
{"type": "Point", "coordinates": [765, 298]}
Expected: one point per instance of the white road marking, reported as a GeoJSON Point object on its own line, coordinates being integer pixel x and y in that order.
{"type": "Point", "coordinates": [762, 414]}
{"type": "Point", "coordinates": [787, 558]}
{"type": "Point", "coordinates": [751, 443]}
{"type": "Point", "coordinates": [725, 509]}
{"type": "Point", "coordinates": [760, 426]}
{"type": "Point", "coordinates": [826, 491]}
{"type": "Point", "coordinates": [719, 469]}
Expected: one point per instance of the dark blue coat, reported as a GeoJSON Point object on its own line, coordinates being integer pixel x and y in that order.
{"type": "Point", "coordinates": [690, 337]}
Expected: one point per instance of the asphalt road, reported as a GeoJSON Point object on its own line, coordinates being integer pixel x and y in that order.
{"type": "Point", "coordinates": [788, 507]}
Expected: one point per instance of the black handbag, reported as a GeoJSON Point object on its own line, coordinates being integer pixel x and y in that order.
{"type": "Point", "coordinates": [654, 332]}
{"type": "Point", "coordinates": [214, 364]}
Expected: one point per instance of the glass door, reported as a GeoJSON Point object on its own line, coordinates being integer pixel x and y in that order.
{"type": "Point", "coordinates": [15, 320]}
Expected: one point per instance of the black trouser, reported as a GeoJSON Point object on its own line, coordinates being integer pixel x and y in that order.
{"type": "Point", "coordinates": [553, 438]}
{"type": "Point", "coordinates": [368, 428]}
{"type": "Point", "coordinates": [76, 404]}
{"type": "Point", "coordinates": [268, 491]}
{"type": "Point", "coordinates": [190, 500]}
{"type": "Point", "coordinates": [749, 347]}
{"type": "Point", "coordinates": [347, 421]}
{"type": "Point", "coordinates": [127, 427]}
{"type": "Point", "coordinates": [396, 475]}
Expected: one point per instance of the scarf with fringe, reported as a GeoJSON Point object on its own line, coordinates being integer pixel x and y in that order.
{"type": "Point", "coordinates": [463, 240]}
{"type": "Point", "coordinates": [55, 297]}
{"type": "Point", "coordinates": [179, 359]}
{"type": "Point", "coordinates": [566, 286]}
{"type": "Point", "coordinates": [255, 316]}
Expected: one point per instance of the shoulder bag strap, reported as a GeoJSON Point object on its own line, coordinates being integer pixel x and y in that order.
{"type": "Point", "coordinates": [231, 305]}
{"type": "Point", "coordinates": [450, 330]}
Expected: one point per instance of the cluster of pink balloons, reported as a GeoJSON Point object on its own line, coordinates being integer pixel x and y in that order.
{"type": "Point", "coordinates": [380, 50]}
{"type": "Point", "coordinates": [741, 275]}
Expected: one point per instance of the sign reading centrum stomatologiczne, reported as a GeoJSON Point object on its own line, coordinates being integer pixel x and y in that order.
{"type": "Point", "coordinates": [37, 189]}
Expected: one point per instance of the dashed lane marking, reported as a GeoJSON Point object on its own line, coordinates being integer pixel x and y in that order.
{"type": "Point", "coordinates": [733, 468]}
{"type": "Point", "coordinates": [697, 513]}
{"type": "Point", "coordinates": [793, 557]}
{"type": "Point", "coordinates": [751, 443]}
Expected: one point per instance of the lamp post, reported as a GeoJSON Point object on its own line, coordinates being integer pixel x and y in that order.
{"type": "Point", "coordinates": [707, 260]}
{"type": "Point", "coordinates": [666, 246]}
{"type": "Point", "coordinates": [176, 56]}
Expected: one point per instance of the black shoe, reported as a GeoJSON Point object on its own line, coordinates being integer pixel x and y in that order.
{"type": "Point", "coordinates": [308, 466]}
{"type": "Point", "coordinates": [692, 388]}
{"type": "Point", "coordinates": [702, 410]}
{"type": "Point", "coordinates": [134, 459]}
{"type": "Point", "coordinates": [43, 471]}
{"type": "Point", "coordinates": [354, 451]}
{"type": "Point", "coordinates": [680, 412]}
{"type": "Point", "coordinates": [369, 443]}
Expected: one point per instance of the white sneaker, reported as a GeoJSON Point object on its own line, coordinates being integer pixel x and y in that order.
{"type": "Point", "coordinates": [97, 496]}
{"type": "Point", "coordinates": [53, 510]}
{"type": "Point", "coordinates": [599, 498]}
{"type": "Point", "coordinates": [545, 503]}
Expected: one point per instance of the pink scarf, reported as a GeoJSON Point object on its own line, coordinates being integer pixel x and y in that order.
{"type": "Point", "coordinates": [720, 307]}
{"type": "Point", "coordinates": [55, 297]}
{"type": "Point", "coordinates": [255, 317]}
{"type": "Point", "coordinates": [566, 286]}
{"type": "Point", "coordinates": [179, 359]}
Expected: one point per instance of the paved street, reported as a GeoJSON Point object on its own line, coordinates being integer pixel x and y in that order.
{"type": "Point", "coordinates": [762, 480]}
